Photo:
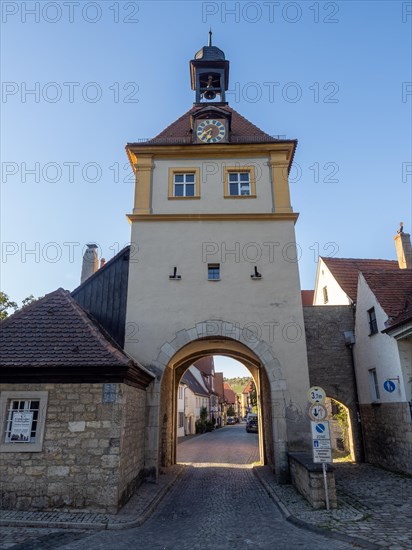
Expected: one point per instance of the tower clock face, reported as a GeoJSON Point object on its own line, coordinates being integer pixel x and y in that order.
{"type": "Point", "coordinates": [211, 131]}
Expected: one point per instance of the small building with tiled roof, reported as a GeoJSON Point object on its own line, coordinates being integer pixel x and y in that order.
{"type": "Point", "coordinates": [74, 403]}
{"type": "Point", "coordinates": [383, 363]}
{"type": "Point", "coordinates": [337, 278]}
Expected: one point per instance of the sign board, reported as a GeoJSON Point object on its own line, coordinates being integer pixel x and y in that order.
{"type": "Point", "coordinates": [318, 413]}
{"type": "Point", "coordinates": [321, 444]}
{"type": "Point", "coordinates": [21, 426]}
{"type": "Point", "coordinates": [316, 394]}
{"type": "Point", "coordinates": [320, 430]}
{"type": "Point", "coordinates": [109, 393]}
{"type": "Point", "coordinates": [322, 455]}
{"type": "Point", "coordinates": [389, 386]}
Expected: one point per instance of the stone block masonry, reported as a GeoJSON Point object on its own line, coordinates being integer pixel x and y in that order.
{"type": "Point", "coordinates": [307, 477]}
{"type": "Point", "coordinates": [389, 441]}
{"type": "Point", "coordinates": [92, 454]}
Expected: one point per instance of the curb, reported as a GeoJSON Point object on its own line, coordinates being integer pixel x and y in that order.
{"type": "Point", "coordinates": [107, 525]}
{"type": "Point", "coordinates": [363, 543]}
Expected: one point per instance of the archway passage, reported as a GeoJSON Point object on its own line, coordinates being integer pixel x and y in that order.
{"type": "Point", "coordinates": [215, 394]}
{"type": "Point", "coordinates": [341, 433]}
{"type": "Point", "coordinates": [181, 361]}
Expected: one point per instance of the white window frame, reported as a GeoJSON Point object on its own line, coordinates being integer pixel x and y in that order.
{"type": "Point", "coordinates": [373, 322]}
{"type": "Point", "coordinates": [374, 385]}
{"type": "Point", "coordinates": [6, 400]}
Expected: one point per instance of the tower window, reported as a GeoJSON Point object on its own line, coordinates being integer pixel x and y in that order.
{"type": "Point", "coordinates": [240, 182]}
{"type": "Point", "coordinates": [213, 272]}
{"type": "Point", "coordinates": [184, 183]}
{"type": "Point", "coordinates": [373, 325]}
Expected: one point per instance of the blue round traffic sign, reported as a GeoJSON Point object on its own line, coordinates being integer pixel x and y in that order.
{"type": "Point", "coordinates": [389, 386]}
{"type": "Point", "coordinates": [320, 428]}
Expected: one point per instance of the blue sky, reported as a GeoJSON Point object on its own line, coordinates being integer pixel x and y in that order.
{"type": "Point", "coordinates": [338, 73]}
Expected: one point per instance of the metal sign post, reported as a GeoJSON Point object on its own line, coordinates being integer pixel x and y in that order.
{"type": "Point", "coordinates": [322, 449]}
{"type": "Point", "coordinates": [325, 481]}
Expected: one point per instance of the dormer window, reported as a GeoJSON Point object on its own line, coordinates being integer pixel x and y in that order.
{"type": "Point", "coordinates": [373, 326]}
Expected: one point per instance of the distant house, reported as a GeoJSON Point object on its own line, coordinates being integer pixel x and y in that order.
{"type": "Point", "coordinates": [246, 400]}
{"type": "Point", "coordinates": [196, 397]}
{"type": "Point", "coordinates": [231, 400]}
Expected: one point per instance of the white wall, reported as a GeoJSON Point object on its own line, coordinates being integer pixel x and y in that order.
{"type": "Point", "coordinates": [337, 297]}
{"type": "Point", "coordinates": [378, 351]}
{"type": "Point", "coordinates": [271, 306]}
{"type": "Point", "coordinates": [405, 353]}
{"type": "Point", "coordinates": [181, 409]}
{"type": "Point", "coordinates": [211, 187]}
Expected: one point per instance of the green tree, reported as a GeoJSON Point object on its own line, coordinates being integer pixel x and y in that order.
{"type": "Point", "coordinates": [231, 411]}
{"type": "Point", "coordinates": [5, 304]}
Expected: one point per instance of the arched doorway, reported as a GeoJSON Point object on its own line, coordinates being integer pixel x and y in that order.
{"type": "Point", "coordinates": [269, 386]}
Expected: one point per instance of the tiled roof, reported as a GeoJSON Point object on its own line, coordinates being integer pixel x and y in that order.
{"type": "Point", "coordinates": [206, 365]}
{"type": "Point", "coordinates": [307, 297]}
{"type": "Point", "coordinates": [241, 129]}
{"type": "Point", "coordinates": [248, 387]}
{"type": "Point", "coordinates": [55, 331]}
{"type": "Point", "coordinates": [193, 384]}
{"type": "Point", "coordinates": [393, 290]}
{"type": "Point", "coordinates": [230, 396]}
{"type": "Point", "coordinates": [219, 384]}
{"type": "Point", "coordinates": [346, 271]}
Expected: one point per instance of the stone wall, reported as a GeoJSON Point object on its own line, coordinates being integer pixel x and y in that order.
{"type": "Point", "coordinates": [330, 360]}
{"type": "Point", "coordinates": [389, 441]}
{"type": "Point", "coordinates": [307, 477]}
{"type": "Point", "coordinates": [132, 441]}
{"type": "Point", "coordinates": [79, 465]}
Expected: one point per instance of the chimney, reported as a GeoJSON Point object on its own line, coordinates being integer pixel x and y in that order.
{"type": "Point", "coordinates": [90, 262]}
{"type": "Point", "coordinates": [403, 248]}
{"type": "Point", "coordinates": [102, 262]}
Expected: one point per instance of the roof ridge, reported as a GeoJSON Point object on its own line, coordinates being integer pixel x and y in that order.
{"type": "Point", "coordinates": [26, 309]}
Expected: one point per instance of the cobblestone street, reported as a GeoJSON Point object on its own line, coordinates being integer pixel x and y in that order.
{"type": "Point", "coordinates": [217, 503]}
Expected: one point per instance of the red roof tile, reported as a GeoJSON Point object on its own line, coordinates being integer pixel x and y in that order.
{"type": "Point", "coordinates": [241, 129]}
{"type": "Point", "coordinates": [206, 365]}
{"type": "Point", "coordinates": [346, 271]}
{"type": "Point", "coordinates": [55, 331]}
{"type": "Point", "coordinates": [230, 396]}
{"type": "Point", "coordinates": [307, 297]}
{"type": "Point", "coordinates": [248, 387]}
{"type": "Point", "coordinates": [219, 384]}
{"type": "Point", "coordinates": [393, 290]}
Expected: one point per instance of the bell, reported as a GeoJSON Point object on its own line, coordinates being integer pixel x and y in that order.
{"type": "Point", "coordinates": [209, 94]}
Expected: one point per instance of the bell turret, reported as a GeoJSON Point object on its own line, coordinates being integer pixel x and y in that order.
{"type": "Point", "coordinates": [209, 72]}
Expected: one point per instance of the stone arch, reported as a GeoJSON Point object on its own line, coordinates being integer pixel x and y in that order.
{"type": "Point", "coordinates": [217, 337]}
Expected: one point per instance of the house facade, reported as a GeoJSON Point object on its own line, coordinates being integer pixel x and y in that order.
{"type": "Point", "coordinates": [379, 296]}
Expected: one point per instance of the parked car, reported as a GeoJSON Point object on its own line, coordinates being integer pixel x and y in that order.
{"type": "Point", "coordinates": [252, 423]}
{"type": "Point", "coordinates": [230, 420]}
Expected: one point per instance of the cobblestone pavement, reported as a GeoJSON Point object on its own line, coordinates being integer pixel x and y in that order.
{"type": "Point", "coordinates": [217, 503]}
{"type": "Point", "coordinates": [373, 505]}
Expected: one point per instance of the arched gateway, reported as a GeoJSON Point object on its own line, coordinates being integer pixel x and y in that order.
{"type": "Point", "coordinates": [213, 264]}
{"type": "Point", "coordinates": [207, 338]}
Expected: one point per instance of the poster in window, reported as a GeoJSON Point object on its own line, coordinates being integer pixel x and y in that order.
{"type": "Point", "coordinates": [21, 427]}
